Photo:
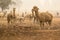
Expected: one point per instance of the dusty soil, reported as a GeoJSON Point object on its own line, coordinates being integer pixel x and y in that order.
{"type": "Point", "coordinates": [28, 30]}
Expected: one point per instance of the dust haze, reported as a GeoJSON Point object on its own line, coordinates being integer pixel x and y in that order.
{"type": "Point", "coordinates": [30, 20]}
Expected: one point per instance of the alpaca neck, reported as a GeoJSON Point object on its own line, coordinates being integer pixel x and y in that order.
{"type": "Point", "coordinates": [36, 13]}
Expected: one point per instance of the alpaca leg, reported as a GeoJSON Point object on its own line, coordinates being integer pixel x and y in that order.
{"type": "Point", "coordinates": [37, 20]}
{"type": "Point", "coordinates": [41, 24]}
{"type": "Point", "coordinates": [50, 23]}
{"type": "Point", "coordinates": [11, 21]}
{"type": "Point", "coordinates": [34, 20]}
{"type": "Point", "coordinates": [8, 20]}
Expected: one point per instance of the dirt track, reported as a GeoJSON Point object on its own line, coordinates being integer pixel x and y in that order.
{"type": "Point", "coordinates": [30, 31]}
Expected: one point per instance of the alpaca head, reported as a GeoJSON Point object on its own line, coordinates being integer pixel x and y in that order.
{"type": "Point", "coordinates": [35, 8]}
{"type": "Point", "coordinates": [35, 11]}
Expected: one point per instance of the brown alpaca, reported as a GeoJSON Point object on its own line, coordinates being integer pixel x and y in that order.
{"type": "Point", "coordinates": [10, 17]}
{"type": "Point", "coordinates": [42, 17]}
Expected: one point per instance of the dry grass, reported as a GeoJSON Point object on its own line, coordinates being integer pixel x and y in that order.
{"type": "Point", "coordinates": [29, 31]}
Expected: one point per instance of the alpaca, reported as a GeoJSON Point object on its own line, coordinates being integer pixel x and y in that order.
{"type": "Point", "coordinates": [10, 17]}
{"type": "Point", "coordinates": [42, 17]}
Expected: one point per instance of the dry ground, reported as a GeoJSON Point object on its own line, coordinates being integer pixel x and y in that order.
{"type": "Point", "coordinates": [28, 30]}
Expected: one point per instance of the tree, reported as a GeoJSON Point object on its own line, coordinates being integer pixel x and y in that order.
{"type": "Point", "coordinates": [4, 4]}
{"type": "Point", "coordinates": [57, 13]}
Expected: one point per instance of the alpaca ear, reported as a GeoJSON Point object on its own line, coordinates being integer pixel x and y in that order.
{"type": "Point", "coordinates": [32, 10]}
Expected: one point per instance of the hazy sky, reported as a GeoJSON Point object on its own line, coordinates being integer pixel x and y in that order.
{"type": "Point", "coordinates": [42, 4]}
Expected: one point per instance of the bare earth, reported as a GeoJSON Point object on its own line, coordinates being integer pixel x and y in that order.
{"type": "Point", "coordinates": [28, 30]}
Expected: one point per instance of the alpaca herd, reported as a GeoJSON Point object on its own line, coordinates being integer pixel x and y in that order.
{"type": "Point", "coordinates": [43, 17]}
